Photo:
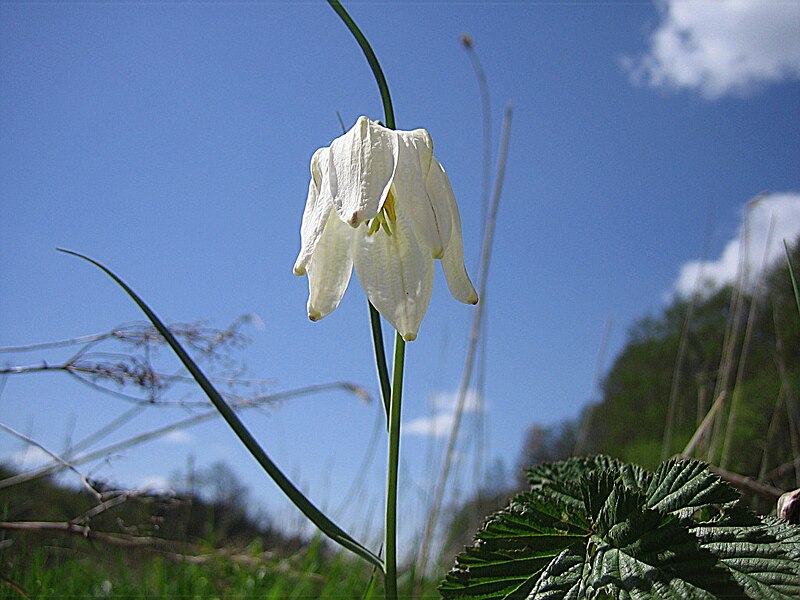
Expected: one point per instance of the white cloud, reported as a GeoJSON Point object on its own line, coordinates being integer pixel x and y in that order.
{"type": "Point", "coordinates": [721, 47]}
{"type": "Point", "coordinates": [29, 458]}
{"type": "Point", "coordinates": [767, 221]}
{"type": "Point", "coordinates": [154, 483]}
{"type": "Point", "coordinates": [448, 401]}
{"type": "Point", "coordinates": [444, 406]}
{"type": "Point", "coordinates": [439, 425]}
{"type": "Point", "coordinates": [177, 436]}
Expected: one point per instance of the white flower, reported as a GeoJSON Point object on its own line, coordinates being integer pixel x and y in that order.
{"type": "Point", "coordinates": [379, 200]}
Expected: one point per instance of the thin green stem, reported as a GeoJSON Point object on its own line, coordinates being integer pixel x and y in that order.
{"type": "Point", "coordinates": [390, 533]}
{"type": "Point", "coordinates": [795, 287]}
{"type": "Point", "coordinates": [391, 396]}
{"type": "Point", "coordinates": [380, 358]}
{"type": "Point", "coordinates": [371, 59]}
{"type": "Point", "coordinates": [319, 519]}
{"type": "Point", "coordinates": [386, 98]}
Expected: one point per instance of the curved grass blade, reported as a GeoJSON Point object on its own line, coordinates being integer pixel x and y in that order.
{"type": "Point", "coordinates": [791, 274]}
{"type": "Point", "coordinates": [328, 527]}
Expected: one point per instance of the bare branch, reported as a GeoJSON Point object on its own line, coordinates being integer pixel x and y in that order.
{"type": "Point", "coordinates": [14, 585]}
{"type": "Point", "coordinates": [748, 484]}
{"type": "Point", "coordinates": [190, 421]}
{"type": "Point", "coordinates": [116, 372]}
{"type": "Point", "coordinates": [120, 539]}
{"type": "Point", "coordinates": [175, 550]}
{"type": "Point", "coordinates": [61, 461]}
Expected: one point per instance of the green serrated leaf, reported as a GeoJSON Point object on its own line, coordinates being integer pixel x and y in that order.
{"type": "Point", "coordinates": [634, 552]}
{"type": "Point", "coordinates": [757, 553]}
{"type": "Point", "coordinates": [642, 553]}
{"type": "Point", "coordinates": [564, 479]}
{"type": "Point", "coordinates": [564, 577]}
{"type": "Point", "coordinates": [687, 489]}
{"type": "Point", "coordinates": [513, 548]}
{"type": "Point", "coordinates": [618, 548]}
{"type": "Point", "coordinates": [787, 534]}
{"type": "Point", "coordinates": [598, 528]}
{"type": "Point", "coordinates": [571, 469]}
{"type": "Point", "coordinates": [757, 560]}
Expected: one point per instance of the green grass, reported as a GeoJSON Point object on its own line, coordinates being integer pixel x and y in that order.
{"type": "Point", "coordinates": [83, 570]}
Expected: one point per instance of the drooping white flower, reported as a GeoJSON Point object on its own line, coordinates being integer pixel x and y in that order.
{"type": "Point", "coordinates": [379, 201]}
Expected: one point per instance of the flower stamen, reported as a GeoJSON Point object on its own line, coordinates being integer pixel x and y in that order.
{"type": "Point", "coordinates": [385, 219]}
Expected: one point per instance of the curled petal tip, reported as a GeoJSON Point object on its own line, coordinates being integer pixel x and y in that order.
{"type": "Point", "coordinates": [437, 252]}
{"type": "Point", "coordinates": [300, 263]}
{"type": "Point", "coordinates": [409, 336]}
{"type": "Point", "coordinates": [314, 315]}
{"type": "Point", "coordinates": [473, 299]}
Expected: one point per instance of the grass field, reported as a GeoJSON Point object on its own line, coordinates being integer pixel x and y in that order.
{"type": "Point", "coordinates": [86, 570]}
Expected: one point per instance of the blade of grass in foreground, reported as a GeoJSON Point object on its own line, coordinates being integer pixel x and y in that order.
{"type": "Point", "coordinates": [791, 274]}
{"type": "Point", "coordinates": [328, 527]}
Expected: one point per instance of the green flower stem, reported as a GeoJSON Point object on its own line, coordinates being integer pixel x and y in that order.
{"type": "Point", "coordinates": [380, 358]}
{"type": "Point", "coordinates": [391, 396]}
{"type": "Point", "coordinates": [386, 98]}
{"type": "Point", "coordinates": [325, 525]}
{"type": "Point", "coordinates": [371, 59]}
{"type": "Point", "coordinates": [390, 532]}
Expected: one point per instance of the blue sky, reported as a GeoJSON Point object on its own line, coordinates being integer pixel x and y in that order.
{"type": "Point", "coordinates": [171, 141]}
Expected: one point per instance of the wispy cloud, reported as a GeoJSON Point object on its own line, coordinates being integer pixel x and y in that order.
{"type": "Point", "coordinates": [441, 422]}
{"type": "Point", "coordinates": [28, 458]}
{"type": "Point", "coordinates": [766, 223]}
{"type": "Point", "coordinates": [439, 425]}
{"type": "Point", "coordinates": [721, 48]}
{"type": "Point", "coordinates": [448, 401]}
{"type": "Point", "coordinates": [154, 483]}
{"type": "Point", "coordinates": [178, 436]}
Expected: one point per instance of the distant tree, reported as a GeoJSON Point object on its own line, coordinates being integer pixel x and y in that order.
{"type": "Point", "coordinates": [546, 444]}
{"type": "Point", "coordinates": [740, 348]}
{"type": "Point", "coordinates": [467, 515]}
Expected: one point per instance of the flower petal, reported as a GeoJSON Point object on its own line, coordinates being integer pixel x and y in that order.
{"type": "Point", "coordinates": [453, 260]}
{"type": "Point", "coordinates": [396, 273]}
{"type": "Point", "coordinates": [426, 204]}
{"type": "Point", "coordinates": [363, 163]}
{"type": "Point", "coordinates": [330, 268]}
{"type": "Point", "coordinates": [318, 207]}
